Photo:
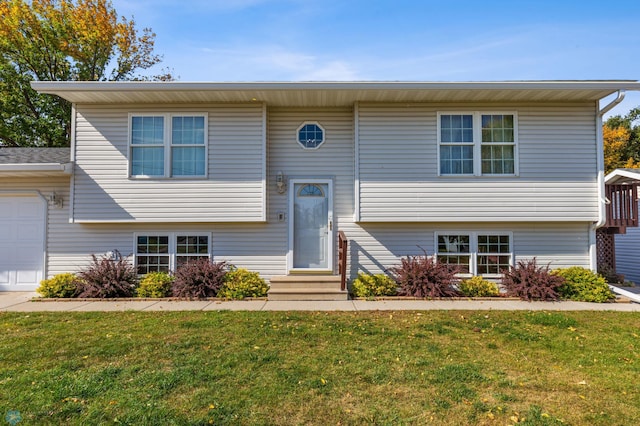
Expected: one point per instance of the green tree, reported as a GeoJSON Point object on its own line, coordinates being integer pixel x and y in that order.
{"type": "Point", "coordinates": [62, 40]}
{"type": "Point", "coordinates": [622, 140]}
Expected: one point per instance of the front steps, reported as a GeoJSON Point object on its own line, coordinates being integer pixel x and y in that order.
{"type": "Point", "coordinates": [306, 287]}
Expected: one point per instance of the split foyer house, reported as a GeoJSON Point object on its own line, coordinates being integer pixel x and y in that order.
{"type": "Point", "coordinates": [275, 177]}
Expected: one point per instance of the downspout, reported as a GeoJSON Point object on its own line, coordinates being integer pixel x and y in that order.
{"type": "Point", "coordinates": [602, 201]}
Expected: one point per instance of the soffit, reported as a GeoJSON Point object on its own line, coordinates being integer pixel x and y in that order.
{"type": "Point", "coordinates": [333, 94]}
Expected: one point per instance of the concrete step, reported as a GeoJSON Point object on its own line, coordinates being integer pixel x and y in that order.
{"type": "Point", "coordinates": [306, 287]}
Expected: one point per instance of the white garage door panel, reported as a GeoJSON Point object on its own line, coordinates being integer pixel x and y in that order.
{"type": "Point", "coordinates": [28, 232]}
{"type": "Point", "coordinates": [22, 225]}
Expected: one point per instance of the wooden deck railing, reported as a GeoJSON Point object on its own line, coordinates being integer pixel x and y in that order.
{"type": "Point", "coordinates": [342, 259]}
{"type": "Point", "coordinates": [622, 211]}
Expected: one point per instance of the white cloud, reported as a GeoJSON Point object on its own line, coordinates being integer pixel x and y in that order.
{"type": "Point", "coordinates": [261, 63]}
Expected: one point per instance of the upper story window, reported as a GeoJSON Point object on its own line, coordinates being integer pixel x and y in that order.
{"type": "Point", "coordinates": [477, 144]}
{"type": "Point", "coordinates": [168, 145]}
{"type": "Point", "coordinates": [310, 135]}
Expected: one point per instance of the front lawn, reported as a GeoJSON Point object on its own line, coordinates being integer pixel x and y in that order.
{"type": "Point", "coordinates": [443, 368]}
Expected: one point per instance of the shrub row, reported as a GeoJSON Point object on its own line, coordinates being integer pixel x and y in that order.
{"type": "Point", "coordinates": [424, 276]}
{"type": "Point", "coordinates": [105, 278]}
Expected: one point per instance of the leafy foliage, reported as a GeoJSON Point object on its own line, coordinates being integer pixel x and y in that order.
{"type": "Point", "coordinates": [240, 283]}
{"type": "Point", "coordinates": [424, 276]}
{"type": "Point", "coordinates": [61, 40]}
{"type": "Point", "coordinates": [155, 284]}
{"type": "Point", "coordinates": [60, 285]}
{"type": "Point", "coordinates": [478, 287]}
{"type": "Point", "coordinates": [199, 279]}
{"type": "Point", "coordinates": [106, 278]}
{"type": "Point", "coordinates": [367, 285]}
{"type": "Point", "coordinates": [621, 136]}
{"type": "Point", "coordinates": [610, 275]}
{"type": "Point", "coordinates": [583, 285]}
{"type": "Point", "coordinates": [529, 281]}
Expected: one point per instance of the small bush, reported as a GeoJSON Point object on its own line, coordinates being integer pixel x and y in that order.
{"type": "Point", "coordinates": [61, 285]}
{"type": "Point", "coordinates": [155, 284]}
{"type": "Point", "coordinates": [424, 276]}
{"type": "Point", "coordinates": [200, 279]}
{"type": "Point", "coordinates": [583, 285]}
{"type": "Point", "coordinates": [478, 287]}
{"type": "Point", "coordinates": [240, 283]}
{"type": "Point", "coordinates": [367, 285]}
{"type": "Point", "coordinates": [106, 278]}
{"type": "Point", "coordinates": [610, 275]}
{"type": "Point", "coordinates": [529, 281]}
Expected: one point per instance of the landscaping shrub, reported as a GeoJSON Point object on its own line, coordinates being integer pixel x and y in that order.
{"type": "Point", "coordinates": [106, 278]}
{"type": "Point", "coordinates": [155, 284]}
{"type": "Point", "coordinates": [529, 281]}
{"type": "Point", "coordinates": [367, 285]}
{"type": "Point", "coordinates": [200, 279]}
{"type": "Point", "coordinates": [583, 285]}
{"type": "Point", "coordinates": [240, 283]}
{"type": "Point", "coordinates": [478, 287]}
{"type": "Point", "coordinates": [424, 276]}
{"type": "Point", "coordinates": [61, 285]}
{"type": "Point", "coordinates": [610, 275]}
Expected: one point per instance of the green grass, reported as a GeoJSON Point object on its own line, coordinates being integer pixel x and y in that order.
{"type": "Point", "coordinates": [443, 368]}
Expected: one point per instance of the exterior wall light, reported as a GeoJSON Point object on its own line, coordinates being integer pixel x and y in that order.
{"type": "Point", "coordinates": [280, 182]}
{"type": "Point", "coordinates": [56, 200]}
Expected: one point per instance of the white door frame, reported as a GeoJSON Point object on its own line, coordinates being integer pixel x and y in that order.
{"type": "Point", "coordinates": [331, 232]}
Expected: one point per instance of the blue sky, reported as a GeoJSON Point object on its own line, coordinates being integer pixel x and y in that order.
{"type": "Point", "coordinates": [303, 40]}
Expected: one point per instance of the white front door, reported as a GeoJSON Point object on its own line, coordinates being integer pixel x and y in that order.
{"type": "Point", "coordinates": [22, 228]}
{"type": "Point", "coordinates": [311, 225]}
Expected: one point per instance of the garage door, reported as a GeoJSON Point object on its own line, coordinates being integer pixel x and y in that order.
{"type": "Point", "coordinates": [22, 226]}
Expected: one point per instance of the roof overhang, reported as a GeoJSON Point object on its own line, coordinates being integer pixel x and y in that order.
{"type": "Point", "coordinates": [332, 93]}
{"type": "Point", "coordinates": [35, 169]}
{"type": "Point", "coordinates": [621, 176]}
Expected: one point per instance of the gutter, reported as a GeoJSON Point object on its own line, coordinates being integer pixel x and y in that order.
{"type": "Point", "coordinates": [602, 200]}
{"type": "Point", "coordinates": [64, 168]}
{"type": "Point", "coordinates": [602, 207]}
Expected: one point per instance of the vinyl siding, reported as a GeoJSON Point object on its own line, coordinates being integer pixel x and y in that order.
{"type": "Point", "coordinates": [398, 167]}
{"type": "Point", "coordinates": [232, 192]}
{"type": "Point", "coordinates": [548, 208]}
{"type": "Point", "coordinates": [59, 233]}
{"type": "Point", "coordinates": [378, 246]}
{"type": "Point", "coordinates": [332, 160]}
{"type": "Point", "coordinates": [628, 255]}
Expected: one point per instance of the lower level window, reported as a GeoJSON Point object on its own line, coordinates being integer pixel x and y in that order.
{"type": "Point", "coordinates": [166, 252]}
{"type": "Point", "coordinates": [475, 253]}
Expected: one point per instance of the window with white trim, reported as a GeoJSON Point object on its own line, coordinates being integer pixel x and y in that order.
{"type": "Point", "coordinates": [168, 145]}
{"type": "Point", "coordinates": [477, 143]}
{"type": "Point", "coordinates": [476, 253]}
{"type": "Point", "coordinates": [166, 252]}
{"type": "Point", "coordinates": [310, 135]}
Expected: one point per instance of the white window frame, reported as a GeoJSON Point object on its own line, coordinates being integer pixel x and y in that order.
{"type": "Point", "coordinates": [167, 143]}
{"type": "Point", "coordinates": [173, 245]}
{"type": "Point", "coordinates": [477, 142]}
{"type": "Point", "coordinates": [473, 249]}
{"type": "Point", "coordinates": [315, 123]}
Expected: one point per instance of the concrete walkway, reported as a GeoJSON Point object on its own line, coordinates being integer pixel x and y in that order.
{"type": "Point", "coordinates": [22, 302]}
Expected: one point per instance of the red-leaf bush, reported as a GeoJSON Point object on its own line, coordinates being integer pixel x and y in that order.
{"type": "Point", "coordinates": [199, 279]}
{"type": "Point", "coordinates": [424, 276]}
{"type": "Point", "coordinates": [529, 281]}
{"type": "Point", "coordinates": [106, 278]}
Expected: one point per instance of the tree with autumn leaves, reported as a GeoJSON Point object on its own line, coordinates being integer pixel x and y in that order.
{"type": "Point", "coordinates": [62, 40]}
{"type": "Point", "coordinates": [621, 136]}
